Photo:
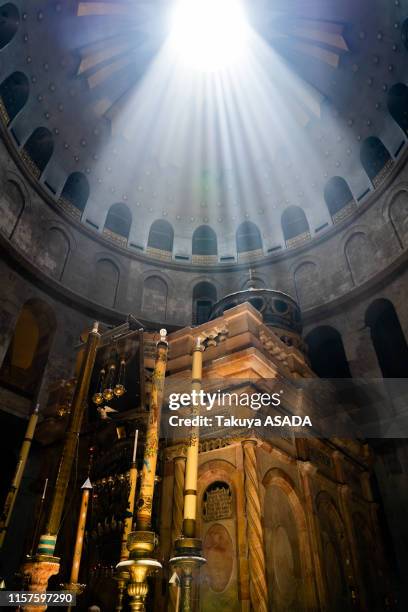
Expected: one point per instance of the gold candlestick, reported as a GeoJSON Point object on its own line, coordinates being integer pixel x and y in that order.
{"type": "Point", "coordinates": [73, 584]}
{"type": "Point", "coordinates": [142, 542]}
{"type": "Point", "coordinates": [79, 542]}
{"type": "Point", "coordinates": [145, 502]}
{"type": "Point", "coordinates": [18, 475]}
{"type": "Point", "coordinates": [122, 577]}
{"type": "Point", "coordinates": [124, 554]}
{"type": "Point", "coordinates": [188, 549]}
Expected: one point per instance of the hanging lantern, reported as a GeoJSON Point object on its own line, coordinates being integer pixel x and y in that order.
{"type": "Point", "coordinates": [119, 389]}
{"type": "Point", "coordinates": [108, 391]}
{"type": "Point", "coordinates": [97, 397]}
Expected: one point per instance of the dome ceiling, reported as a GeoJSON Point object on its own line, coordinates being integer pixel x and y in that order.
{"type": "Point", "coordinates": [117, 121]}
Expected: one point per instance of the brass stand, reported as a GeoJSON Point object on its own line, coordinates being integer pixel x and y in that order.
{"type": "Point", "coordinates": [139, 567]}
{"type": "Point", "coordinates": [142, 542]}
{"type": "Point", "coordinates": [122, 577]}
{"type": "Point", "coordinates": [188, 557]}
{"type": "Point", "coordinates": [73, 587]}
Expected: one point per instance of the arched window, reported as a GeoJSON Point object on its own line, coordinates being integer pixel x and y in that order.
{"type": "Point", "coordinates": [154, 303]}
{"type": "Point", "coordinates": [375, 159]}
{"type": "Point", "coordinates": [9, 22]}
{"type": "Point", "coordinates": [118, 223]}
{"type": "Point", "coordinates": [327, 355]}
{"type": "Point", "coordinates": [204, 297]}
{"type": "Point", "coordinates": [105, 283]}
{"type": "Point", "coordinates": [14, 93]}
{"type": "Point", "coordinates": [388, 339]}
{"type": "Point", "coordinates": [205, 241]}
{"type": "Point", "coordinates": [161, 236]}
{"type": "Point", "coordinates": [76, 192]}
{"type": "Point", "coordinates": [404, 33]}
{"type": "Point", "coordinates": [38, 150]}
{"type": "Point", "coordinates": [295, 227]}
{"type": "Point", "coordinates": [248, 238]}
{"type": "Point", "coordinates": [339, 198]}
{"type": "Point", "coordinates": [397, 103]}
{"type": "Point", "coordinates": [27, 354]}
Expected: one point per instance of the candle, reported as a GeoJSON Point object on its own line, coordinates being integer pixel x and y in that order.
{"type": "Point", "coordinates": [135, 446]}
{"type": "Point", "coordinates": [45, 489]}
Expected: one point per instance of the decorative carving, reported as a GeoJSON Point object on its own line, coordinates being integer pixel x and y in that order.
{"type": "Point", "coordinates": [298, 240]}
{"type": "Point", "coordinates": [217, 502]}
{"type": "Point", "coordinates": [3, 113]}
{"type": "Point", "coordinates": [35, 171]}
{"type": "Point", "coordinates": [384, 172]}
{"type": "Point", "coordinates": [204, 260]}
{"type": "Point", "coordinates": [117, 238]}
{"type": "Point", "coordinates": [212, 337]}
{"type": "Point", "coordinates": [69, 208]}
{"type": "Point", "coordinates": [344, 212]}
{"type": "Point", "coordinates": [250, 255]}
{"type": "Point", "coordinates": [159, 253]}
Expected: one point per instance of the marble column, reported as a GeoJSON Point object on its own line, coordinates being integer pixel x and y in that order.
{"type": "Point", "coordinates": [257, 568]}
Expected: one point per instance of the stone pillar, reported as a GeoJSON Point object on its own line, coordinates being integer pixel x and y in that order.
{"type": "Point", "coordinates": [179, 464]}
{"type": "Point", "coordinates": [361, 354]}
{"type": "Point", "coordinates": [38, 573]}
{"type": "Point", "coordinates": [307, 471]}
{"type": "Point", "coordinates": [178, 497]}
{"type": "Point", "coordinates": [257, 569]}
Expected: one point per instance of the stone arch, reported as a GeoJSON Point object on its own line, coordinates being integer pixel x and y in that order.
{"type": "Point", "coordinates": [339, 199]}
{"type": "Point", "coordinates": [58, 249]}
{"type": "Point", "coordinates": [397, 104]}
{"type": "Point", "coordinates": [38, 150]}
{"type": "Point", "coordinates": [375, 159]}
{"type": "Point", "coordinates": [287, 547]}
{"type": "Point", "coordinates": [204, 242]}
{"type": "Point", "coordinates": [9, 23]}
{"type": "Point", "coordinates": [14, 92]}
{"type": "Point", "coordinates": [220, 539]}
{"type": "Point", "coordinates": [204, 297]}
{"type": "Point", "coordinates": [295, 226]}
{"type": "Point", "coordinates": [118, 223]}
{"type": "Point", "coordinates": [27, 355]}
{"type": "Point", "coordinates": [154, 298]}
{"type": "Point", "coordinates": [106, 282]}
{"type": "Point", "coordinates": [388, 339]}
{"type": "Point", "coordinates": [327, 355]}
{"type": "Point", "coordinates": [248, 238]}
{"type": "Point", "coordinates": [161, 236]}
{"type": "Point", "coordinates": [76, 192]}
{"type": "Point", "coordinates": [307, 284]}
{"type": "Point", "coordinates": [360, 256]}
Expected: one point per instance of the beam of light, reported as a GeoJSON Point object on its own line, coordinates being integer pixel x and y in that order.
{"type": "Point", "coordinates": [221, 146]}
{"type": "Point", "coordinates": [208, 35]}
